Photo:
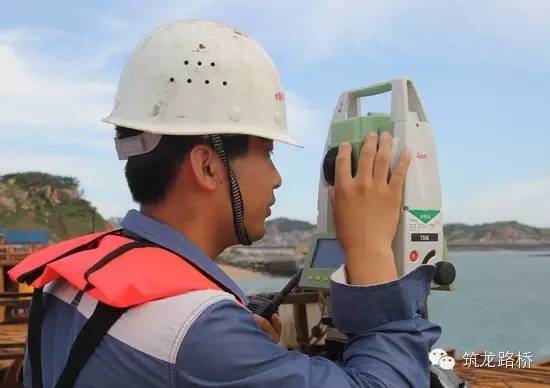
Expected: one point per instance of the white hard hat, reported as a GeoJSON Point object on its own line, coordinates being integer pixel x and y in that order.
{"type": "Point", "coordinates": [196, 77]}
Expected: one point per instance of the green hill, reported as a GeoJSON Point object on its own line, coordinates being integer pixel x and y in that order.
{"type": "Point", "coordinates": [35, 200]}
{"type": "Point", "coordinates": [288, 225]}
{"type": "Point", "coordinates": [504, 233]}
{"type": "Point", "coordinates": [495, 232]}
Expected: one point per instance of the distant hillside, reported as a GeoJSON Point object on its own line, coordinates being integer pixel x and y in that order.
{"type": "Point", "coordinates": [35, 200]}
{"type": "Point", "coordinates": [287, 225]}
{"type": "Point", "coordinates": [496, 233]}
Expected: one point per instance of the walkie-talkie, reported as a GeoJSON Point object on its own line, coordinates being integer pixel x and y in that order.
{"type": "Point", "coordinates": [265, 305]}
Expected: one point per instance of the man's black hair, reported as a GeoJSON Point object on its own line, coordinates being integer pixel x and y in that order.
{"type": "Point", "coordinates": [151, 175]}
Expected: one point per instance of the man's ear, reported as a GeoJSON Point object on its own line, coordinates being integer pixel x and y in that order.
{"type": "Point", "coordinates": [206, 166]}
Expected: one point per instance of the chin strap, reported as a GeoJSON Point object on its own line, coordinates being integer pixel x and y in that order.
{"type": "Point", "coordinates": [234, 192]}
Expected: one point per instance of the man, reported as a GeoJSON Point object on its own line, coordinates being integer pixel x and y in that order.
{"type": "Point", "coordinates": [197, 110]}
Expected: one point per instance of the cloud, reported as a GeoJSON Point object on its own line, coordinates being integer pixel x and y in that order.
{"type": "Point", "coordinates": [51, 105]}
{"type": "Point", "coordinates": [312, 31]}
{"type": "Point", "coordinates": [306, 122]}
{"type": "Point", "coordinates": [24, 35]}
{"type": "Point", "coordinates": [316, 30]}
{"type": "Point", "coordinates": [49, 117]}
{"type": "Point", "coordinates": [524, 22]}
{"type": "Point", "coordinates": [501, 31]}
{"type": "Point", "coordinates": [42, 100]}
{"type": "Point", "coordinates": [525, 201]}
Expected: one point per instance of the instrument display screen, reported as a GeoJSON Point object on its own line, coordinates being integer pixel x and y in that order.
{"type": "Point", "coordinates": [328, 254]}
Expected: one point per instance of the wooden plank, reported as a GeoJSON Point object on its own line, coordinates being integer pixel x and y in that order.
{"type": "Point", "coordinates": [12, 354]}
{"type": "Point", "coordinates": [301, 297]}
{"type": "Point", "coordinates": [2, 308]}
{"type": "Point", "coordinates": [544, 362]}
{"type": "Point", "coordinates": [12, 375]}
{"type": "Point", "coordinates": [13, 333]}
{"type": "Point", "coordinates": [302, 329]}
{"type": "Point", "coordinates": [15, 303]}
{"type": "Point", "coordinates": [12, 345]}
{"type": "Point", "coordinates": [536, 376]}
{"type": "Point", "coordinates": [15, 294]}
{"type": "Point", "coordinates": [11, 262]}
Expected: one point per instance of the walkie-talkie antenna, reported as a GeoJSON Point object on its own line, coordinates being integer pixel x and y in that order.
{"type": "Point", "coordinates": [265, 306]}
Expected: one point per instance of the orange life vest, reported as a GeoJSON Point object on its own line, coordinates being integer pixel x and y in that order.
{"type": "Point", "coordinates": [118, 271]}
{"type": "Point", "coordinates": [114, 269]}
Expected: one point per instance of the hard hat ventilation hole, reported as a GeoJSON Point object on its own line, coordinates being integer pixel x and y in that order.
{"type": "Point", "coordinates": [189, 80]}
{"type": "Point", "coordinates": [224, 83]}
{"type": "Point", "coordinates": [186, 62]}
{"type": "Point", "coordinates": [172, 79]}
{"type": "Point", "coordinates": [212, 64]}
{"type": "Point", "coordinates": [199, 63]}
{"type": "Point", "coordinates": [207, 82]}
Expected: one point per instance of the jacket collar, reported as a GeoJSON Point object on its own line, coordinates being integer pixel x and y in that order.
{"type": "Point", "coordinates": [166, 236]}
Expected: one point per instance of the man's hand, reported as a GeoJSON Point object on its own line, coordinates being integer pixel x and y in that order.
{"type": "Point", "coordinates": [366, 209]}
{"type": "Point", "coordinates": [273, 328]}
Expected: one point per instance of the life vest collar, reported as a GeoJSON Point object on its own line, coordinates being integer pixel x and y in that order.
{"type": "Point", "coordinates": [161, 234]}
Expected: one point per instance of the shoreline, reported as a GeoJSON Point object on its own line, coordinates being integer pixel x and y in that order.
{"type": "Point", "coordinates": [239, 273]}
{"type": "Point", "coordinates": [497, 247]}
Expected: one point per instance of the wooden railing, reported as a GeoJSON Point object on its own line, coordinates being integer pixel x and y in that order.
{"type": "Point", "coordinates": [17, 252]}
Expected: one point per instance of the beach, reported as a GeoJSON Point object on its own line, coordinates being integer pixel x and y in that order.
{"type": "Point", "coordinates": [237, 273]}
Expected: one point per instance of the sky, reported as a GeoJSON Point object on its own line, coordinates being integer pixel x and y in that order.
{"type": "Point", "coordinates": [481, 67]}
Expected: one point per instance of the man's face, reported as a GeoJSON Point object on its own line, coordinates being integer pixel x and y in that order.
{"type": "Point", "coordinates": [257, 177]}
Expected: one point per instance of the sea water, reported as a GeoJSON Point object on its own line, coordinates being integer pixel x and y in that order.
{"type": "Point", "coordinates": [501, 303]}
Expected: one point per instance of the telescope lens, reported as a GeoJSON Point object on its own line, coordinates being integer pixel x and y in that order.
{"type": "Point", "coordinates": [329, 165]}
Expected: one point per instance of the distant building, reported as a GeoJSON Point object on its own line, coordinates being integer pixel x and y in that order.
{"type": "Point", "coordinates": [32, 237]}
{"type": "Point", "coordinates": [15, 245]}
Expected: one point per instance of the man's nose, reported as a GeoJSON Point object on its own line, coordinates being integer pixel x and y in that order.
{"type": "Point", "coordinates": [278, 180]}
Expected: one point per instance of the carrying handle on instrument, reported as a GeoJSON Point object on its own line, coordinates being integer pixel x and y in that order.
{"type": "Point", "coordinates": [404, 99]}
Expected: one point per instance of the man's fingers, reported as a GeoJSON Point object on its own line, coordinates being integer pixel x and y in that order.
{"type": "Point", "coordinates": [366, 158]}
{"type": "Point", "coordinates": [382, 159]}
{"type": "Point", "coordinates": [343, 164]}
{"type": "Point", "coordinates": [277, 324]}
{"type": "Point", "coordinates": [400, 171]}
{"type": "Point", "coordinates": [266, 327]}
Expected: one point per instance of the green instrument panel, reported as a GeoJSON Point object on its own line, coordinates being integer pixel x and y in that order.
{"type": "Point", "coordinates": [324, 256]}
{"type": "Point", "coordinates": [355, 129]}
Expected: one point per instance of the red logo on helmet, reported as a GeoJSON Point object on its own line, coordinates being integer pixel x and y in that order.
{"type": "Point", "coordinates": [279, 96]}
{"type": "Point", "coordinates": [413, 256]}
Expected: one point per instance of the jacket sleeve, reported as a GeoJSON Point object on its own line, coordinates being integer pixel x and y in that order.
{"type": "Point", "coordinates": [388, 342]}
